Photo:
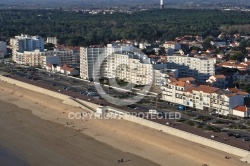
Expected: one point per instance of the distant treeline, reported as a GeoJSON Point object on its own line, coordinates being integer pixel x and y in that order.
{"type": "Point", "coordinates": [77, 28]}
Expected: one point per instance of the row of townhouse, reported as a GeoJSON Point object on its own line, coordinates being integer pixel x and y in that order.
{"type": "Point", "coordinates": [205, 97]}
{"type": "Point", "coordinates": [199, 68]}
{"type": "Point", "coordinates": [232, 64]}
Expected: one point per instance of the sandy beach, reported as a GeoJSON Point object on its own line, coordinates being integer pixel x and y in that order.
{"type": "Point", "coordinates": [35, 130]}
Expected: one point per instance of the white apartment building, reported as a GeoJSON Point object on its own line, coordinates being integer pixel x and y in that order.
{"type": "Point", "coordinates": [25, 43]}
{"type": "Point", "coordinates": [52, 40]}
{"type": "Point", "coordinates": [199, 68]}
{"type": "Point", "coordinates": [203, 97]}
{"type": "Point", "coordinates": [130, 67]}
{"type": "Point", "coordinates": [38, 58]}
{"type": "Point", "coordinates": [3, 49]}
{"type": "Point", "coordinates": [161, 76]}
{"type": "Point", "coordinates": [94, 56]}
{"type": "Point", "coordinates": [88, 58]}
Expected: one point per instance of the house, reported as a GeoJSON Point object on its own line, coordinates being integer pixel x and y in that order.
{"type": "Point", "coordinates": [238, 91]}
{"type": "Point", "coordinates": [241, 76]}
{"type": "Point", "coordinates": [241, 111]}
{"type": "Point", "coordinates": [51, 67]}
{"type": "Point", "coordinates": [218, 81]}
{"type": "Point", "coordinates": [72, 71]}
{"type": "Point", "coordinates": [69, 70]}
{"type": "Point", "coordinates": [204, 97]}
{"type": "Point", "coordinates": [174, 45]}
{"type": "Point", "coordinates": [218, 43]}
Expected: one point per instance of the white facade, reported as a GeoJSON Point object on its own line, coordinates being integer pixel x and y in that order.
{"type": "Point", "coordinates": [199, 68]}
{"type": "Point", "coordinates": [173, 45]}
{"type": "Point", "coordinates": [52, 40]}
{"type": "Point", "coordinates": [94, 56]}
{"type": "Point", "coordinates": [39, 58]}
{"type": "Point", "coordinates": [130, 68]}
{"type": "Point", "coordinates": [203, 97]}
{"type": "Point", "coordinates": [25, 43]}
{"type": "Point", "coordinates": [3, 49]}
{"type": "Point", "coordinates": [241, 111]}
{"type": "Point", "coordinates": [161, 76]}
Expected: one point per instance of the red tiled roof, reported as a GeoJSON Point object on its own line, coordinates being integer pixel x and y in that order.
{"type": "Point", "coordinates": [219, 76]}
{"type": "Point", "coordinates": [240, 108]}
{"type": "Point", "coordinates": [233, 90]}
{"type": "Point", "coordinates": [206, 89]}
{"type": "Point", "coordinates": [70, 69]}
{"type": "Point", "coordinates": [172, 79]}
{"type": "Point", "coordinates": [49, 65]}
{"type": "Point", "coordinates": [184, 79]}
{"type": "Point", "coordinates": [230, 94]}
{"type": "Point", "coordinates": [178, 83]}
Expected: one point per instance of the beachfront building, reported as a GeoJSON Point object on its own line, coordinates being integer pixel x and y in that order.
{"type": "Point", "coordinates": [130, 67]}
{"type": "Point", "coordinates": [93, 59]}
{"type": "Point", "coordinates": [161, 76]}
{"type": "Point", "coordinates": [23, 43]}
{"type": "Point", "coordinates": [199, 68]}
{"type": "Point", "coordinates": [203, 97]}
{"type": "Point", "coordinates": [124, 62]}
{"type": "Point", "coordinates": [42, 58]}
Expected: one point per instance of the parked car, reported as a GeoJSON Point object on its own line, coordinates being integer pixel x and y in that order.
{"type": "Point", "coordinates": [230, 134]}
{"type": "Point", "coordinates": [237, 135]}
{"type": "Point", "coordinates": [212, 113]}
{"type": "Point", "coordinates": [246, 139]}
{"type": "Point", "coordinates": [153, 112]}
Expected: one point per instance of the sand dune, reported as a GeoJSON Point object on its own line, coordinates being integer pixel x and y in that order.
{"type": "Point", "coordinates": [44, 135]}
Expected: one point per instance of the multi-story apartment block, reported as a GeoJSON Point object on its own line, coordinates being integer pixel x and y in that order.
{"type": "Point", "coordinates": [203, 97]}
{"type": "Point", "coordinates": [26, 43]}
{"type": "Point", "coordinates": [161, 76]}
{"type": "Point", "coordinates": [68, 57]}
{"type": "Point", "coordinates": [130, 67]}
{"type": "Point", "coordinates": [38, 58]}
{"type": "Point", "coordinates": [93, 59]}
{"type": "Point", "coordinates": [88, 58]}
{"type": "Point", "coordinates": [199, 68]}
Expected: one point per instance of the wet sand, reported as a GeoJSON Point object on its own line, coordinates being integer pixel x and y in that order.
{"type": "Point", "coordinates": [40, 142]}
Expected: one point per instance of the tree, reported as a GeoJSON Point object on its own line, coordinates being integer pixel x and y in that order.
{"type": "Point", "coordinates": [207, 42]}
{"type": "Point", "coordinates": [247, 88]}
